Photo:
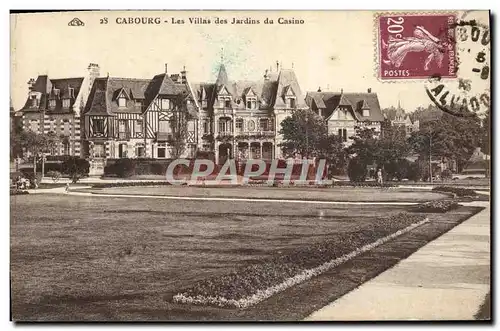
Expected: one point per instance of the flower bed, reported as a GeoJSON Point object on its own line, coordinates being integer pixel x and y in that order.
{"type": "Point", "coordinates": [456, 191]}
{"type": "Point", "coordinates": [438, 206]}
{"type": "Point", "coordinates": [250, 285]}
{"type": "Point", "coordinates": [18, 192]}
{"type": "Point", "coordinates": [124, 184]}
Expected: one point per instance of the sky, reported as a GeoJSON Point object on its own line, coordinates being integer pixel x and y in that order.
{"type": "Point", "coordinates": [333, 50]}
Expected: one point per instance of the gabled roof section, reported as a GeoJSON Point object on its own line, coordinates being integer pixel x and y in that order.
{"type": "Point", "coordinates": [44, 89]}
{"type": "Point", "coordinates": [287, 78]}
{"type": "Point", "coordinates": [288, 92]}
{"type": "Point", "coordinates": [97, 103]}
{"type": "Point", "coordinates": [121, 93]}
{"type": "Point", "coordinates": [355, 101]}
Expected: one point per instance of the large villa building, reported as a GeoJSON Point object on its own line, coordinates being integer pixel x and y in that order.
{"type": "Point", "coordinates": [102, 118]}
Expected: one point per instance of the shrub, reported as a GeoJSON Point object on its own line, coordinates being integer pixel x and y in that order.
{"type": "Point", "coordinates": [125, 167]}
{"type": "Point", "coordinates": [18, 192]}
{"type": "Point", "coordinates": [457, 191]}
{"type": "Point", "coordinates": [446, 174]}
{"type": "Point", "coordinates": [397, 169]}
{"type": "Point", "coordinates": [438, 206]}
{"type": "Point", "coordinates": [414, 171]}
{"type": "Point", "coordinates": [356, 170]}
{"type": "Point", "coordinates": [158, 168]}
{"type": "Point", "coordinates": [55, 175]}
{"type": "Point", "coordinates": [125, 184]}
{"type": "Point", "coordinates": [76, 168]}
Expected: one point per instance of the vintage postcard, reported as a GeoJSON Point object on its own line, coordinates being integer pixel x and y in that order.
{"type": "Point", "coordinates": [250, 165]}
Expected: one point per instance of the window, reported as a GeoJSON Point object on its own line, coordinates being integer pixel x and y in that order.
{"type": "Point", "coordinates": [138, 104]}
{"type": "Point", "coordinates": [264, 124]}
{"type": "Point", "coordinates": [122, 102]}
{"type": "Point", "coordinates": [34, 101]}
{"type": "Point", "coordinates": [239, 125]}
{"type": "Point", "coordinates": [65, 103]}
{"type": "Point", "coordinates": [66, 129]}
{"type": "Point", "coordinates": [140, 151]}
{"type": "Point", "coordinates": [340, 133]}
{"type": "Point", "coordinates": [206, 127]}
{"type": "Point", "coordinates": [224, 126]}
{"type": "Point", "coordinates": [164, 127]}
{"type": "Point", "coordinates": [366, 112]}
{"type": "Point", "coordinates": [34, 126]}
{"type": "Point", "coordinates": [191, 151]}
{"type": "Point", "coordinates": [98, 150]}
{"type": "Point", "coordinates": [344, 134]}
{"type": "Point", "coordinates": [138, 126]}
{"type": "Point", "coordinates": [251, 103]}
{"type": "Point", "coordinates": [227, 103]}
{"type": "Point", "coordinates": [71, 92]}
{"type": "Point", "coordinates": [121, 126]}
{"type": "Point", "coordinates": [52, 125]}
{"type": "Point", "coordinates": [162, 150]}
{"type": "Point", "coordinates": [52, 103]}
{"type": "Point", "coordinates": [65, 147]}
{"type": "Point", "coordinates": [165, 104]}
{"type": "Point", "coordinates": [291, 102]}
{"type": "Point", "coordinates": [98, 125]}
{"type": "Point", "coordinates": [122, 150]}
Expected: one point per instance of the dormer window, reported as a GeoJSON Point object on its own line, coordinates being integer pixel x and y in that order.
{"type": "Point", "coordinates": [34, 101]}
{"type": "Point", "coordinates": [66, 103]}
{"type": "Point", "coordinates": [251, 103]}
{"type": "Point", "coordinates": [366, 112]}
{"type": "Point", "coordinates": [291, 102]}
{"type": "Point", "coordinates": [227, 103]}
{"type": "Point", "coordinates": [52, 103]}
{"type": "Point", "coordinates": [122, 102]}
{"type": "Point", "coordinates": [138, 103]}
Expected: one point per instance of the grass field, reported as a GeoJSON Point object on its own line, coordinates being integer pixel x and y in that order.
{"type": "Point", "coordinates": [320, 194]}
{"type": "Point", "coordinates": [90, 258]}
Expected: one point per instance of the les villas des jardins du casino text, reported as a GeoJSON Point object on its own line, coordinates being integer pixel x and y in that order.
{"type": "Point", "coordinates": [203, 20]}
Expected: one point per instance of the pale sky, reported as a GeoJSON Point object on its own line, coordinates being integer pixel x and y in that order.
{"type": "Point", "coordinates": [333, 49]}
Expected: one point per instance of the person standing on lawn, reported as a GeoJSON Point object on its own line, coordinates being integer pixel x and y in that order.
{"type": "Point", "coordinates": [379, 177]}
{"type": "Point", "coordinates": [66, 189]}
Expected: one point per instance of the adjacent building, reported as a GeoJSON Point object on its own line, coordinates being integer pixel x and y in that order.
{"type": "Point", "coordinates": [343, 112]}
{"type": "Point", "coordinates": [55, 105]}
{"type": "Point", "coordinates": [241, 119]}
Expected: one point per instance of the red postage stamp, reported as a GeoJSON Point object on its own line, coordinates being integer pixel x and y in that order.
{"type": "Point", "coordinates": [413, 46]}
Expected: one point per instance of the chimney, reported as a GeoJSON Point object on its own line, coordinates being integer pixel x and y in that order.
{"type": "Point", "coordinates": [341, 90]}
{"type": "Point", "coordinates": [94, 71]}
{"type": "Point", "coordinates": [183, 76]}
{"type": "Point", "coordinates": [369, 90]}
{"type": "Point", "coordinates": [266, 75]}
{"type": "Point", "coordinates": [277, 66]}
{"type": "Point", "coordinates": [31, 84]}
{"type": "Point", "coordinates": [319, 89]}
{"type": "Point", "coordinates": [166, 68]}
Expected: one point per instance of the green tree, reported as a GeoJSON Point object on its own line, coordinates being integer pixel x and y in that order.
{"type": "Point", "coordinates": [76, 168]}
{"type": "Point", "coordinates": [449, 137]}
{"type": "Point", "coordinates": [37, 144]}
{"type": "Point", "coordinates": [306, 133]}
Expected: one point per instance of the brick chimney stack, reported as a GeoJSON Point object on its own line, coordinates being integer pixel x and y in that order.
{"type": "Point", "coordinates": [166, 68]}
{"type": "Point", "coordinates": [183, 75]}
{"type": "Point", "coordinates": [369, 90]}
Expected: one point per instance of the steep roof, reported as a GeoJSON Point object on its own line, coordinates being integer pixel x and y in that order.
{"type": "Point", "coordinates": [46, 91]}
{"type": "Point", "coordinates": [329, 101]}
{"type": "Point", "coordinates": [103, 99]}
{"type": "Point", "coordinates": [270, 92]}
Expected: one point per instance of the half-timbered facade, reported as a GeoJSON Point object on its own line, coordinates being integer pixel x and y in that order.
{"type": "Point", "coordinates": [241, 119]}
{"type": "Point", "coordinates": [138, 118]}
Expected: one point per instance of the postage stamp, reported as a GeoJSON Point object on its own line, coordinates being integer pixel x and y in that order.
{"type": "Point", "coordinates": [416, 46]}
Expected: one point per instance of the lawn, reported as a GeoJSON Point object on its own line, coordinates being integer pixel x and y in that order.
{"type": "Point", "coordinates": [89, 258]}
{"type": "Point", "coordinates": [291, 193]}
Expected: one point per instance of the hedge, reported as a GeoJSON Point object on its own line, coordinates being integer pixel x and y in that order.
{"type": "Point", "coordinates": [457, 191]}
{"type": "Point", "coordinates": [437, 206]}
{"type": "Point", "coordinates": [125, 184]}
{"type": "Point", "coordinates": [18, 192]}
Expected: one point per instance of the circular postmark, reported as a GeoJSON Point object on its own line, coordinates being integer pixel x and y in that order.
{"type": "Point", "coordinates": [469, 93]}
